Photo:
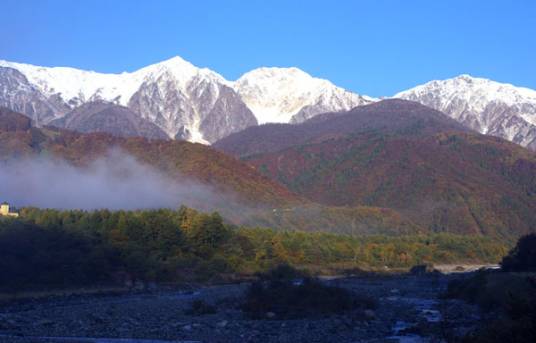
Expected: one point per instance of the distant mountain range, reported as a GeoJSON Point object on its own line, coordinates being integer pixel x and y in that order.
{"type": "Point", "coordinates": [199, 105]}
{"type": "Point", "coordinates": [390, 167]}
{"type": "Point", "coordinates": [404, 156]}
{"type": "Point", "coordinates": [184, 101]}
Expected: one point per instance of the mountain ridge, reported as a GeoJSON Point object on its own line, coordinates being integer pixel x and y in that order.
{"type": "Point", "coordinates": [200, 105]}
{"type": "Point", "coordinates": [393, 113]}
{"type": "Point", "coordinates": [19, 139]}
{"type": "Point", "coordinates": [233, 187]}
{"type": "Point", "coordinates": [98, 116]}
{"type": "Point", "coordinates": [486, 106]}
{"type": "Point", "coordinates": [187, 102]}
{"type": "Point", "coordinates": [404, 156]}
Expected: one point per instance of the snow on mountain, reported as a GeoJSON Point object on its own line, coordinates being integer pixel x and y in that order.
{"type": "Point", "coordinates": [185, 101]}
{"type": "Point", "coordinates": [76, 86]}
{"type": "Point", "coordinates": [18, 94]}
{"type": "Point", "coordinates": [489, 107]}
{"type": "Point", "coordinates": [284, 95]}
{"type": "Point", "coordinates": [177, 96]}
{"type": "Point", "coordinates": [199, 105]}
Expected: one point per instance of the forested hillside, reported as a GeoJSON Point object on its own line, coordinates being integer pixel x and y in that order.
{"type": "Point", "coordinates": [402, 156]}
{"type": "Point", "coordinates": [176, 159]}
{"type": "Point", "coordinates": [73, 248]}
{"type": "Point", "coordinates": [236, 189]}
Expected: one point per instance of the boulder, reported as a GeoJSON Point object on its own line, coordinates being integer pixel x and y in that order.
{"type": "Point", "coordinates": [270, 315]}
{"type": "Point", "coordinates": [422, 269]}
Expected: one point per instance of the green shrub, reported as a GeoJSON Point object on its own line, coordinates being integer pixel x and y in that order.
{"type": "Point", "coordinates": [31, 257]}
{"type": "Point", "coordinates": [511, 297]}
{"type": "Point", "coordinates": [468, 289]}
{"type": "Point", "coordinates": [283, 272]}
{"type": "Point", "coordinates": [523, 256]}
{"type": "Point", "coordinates": [311, 298]}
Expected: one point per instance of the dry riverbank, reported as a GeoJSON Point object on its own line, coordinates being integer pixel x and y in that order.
{"type": "Point", "coordinates": [409, 309]}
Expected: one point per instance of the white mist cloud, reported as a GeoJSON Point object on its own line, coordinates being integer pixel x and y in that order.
{"type": "Point", "coordinates": [116, 181]}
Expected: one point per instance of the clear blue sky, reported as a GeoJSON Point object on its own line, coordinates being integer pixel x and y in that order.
{"type": "Point", "coordinates": [372, 47]}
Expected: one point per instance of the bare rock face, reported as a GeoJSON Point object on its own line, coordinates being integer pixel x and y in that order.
{"type": "Point", "coordinates": [203, 110]}
{"type": "Point", "coordinates": [100, 116]}
{"type": "Point", "coordinates": [486, 106]}
{"type": "Point", "coordinates": [17, 94]}
{"type": "Point", "coordinates": [228, 115]}
{"type": "Point", "coordinates": [182, 100]}
{"type": "Point", "coordinates": [161, 103]}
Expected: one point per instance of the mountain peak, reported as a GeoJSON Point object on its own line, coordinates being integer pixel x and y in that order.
{"type": "Point", "coordinates": [180, 69]}
{"type": "Point", "coordinates": [176, 60]}
{"type": "Point", "coordinates": [283, 95]}
{"type": "Point", "coordinates": [275, 72]}
{"type": "Point", "coordinates": [489, 107]}
{"type": "Point", "coordinates": [284, 76]}
{"type": "Point", "coordinates": [273, 94]}
{"type": "Point", "coordinates": [465, 77]}
{"type": "Point", "coordinates": [188, 102]}
{"type": "Point", "coordinates": [173, 94]}
{"type": "Point", "coordinates": [174, 63]}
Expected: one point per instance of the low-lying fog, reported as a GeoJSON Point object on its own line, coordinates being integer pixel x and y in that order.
{"type": "Point", "coordinates": [116, 181]}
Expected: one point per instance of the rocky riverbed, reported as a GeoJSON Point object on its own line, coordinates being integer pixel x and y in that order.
{"type": "Point", "coordinates": [409, 310]}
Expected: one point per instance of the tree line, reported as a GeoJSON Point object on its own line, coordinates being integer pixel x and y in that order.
{"type": "Point", "coordinates": [53, 248]}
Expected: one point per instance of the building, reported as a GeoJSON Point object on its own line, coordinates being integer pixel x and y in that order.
{"type": "Point", "coordinates": [4, 211]}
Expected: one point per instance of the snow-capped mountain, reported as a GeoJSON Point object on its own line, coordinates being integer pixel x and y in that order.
{"type": "Point", "coordinates": [289, 95]}
{"type": "Point", "coordinates": [190, 103]}
{"type": "Point", "coordinates": [489, 107]}
{"type": "Point", "coordinates": [199, 105]}
{"type": "Point", "coordinates": [185, 101]}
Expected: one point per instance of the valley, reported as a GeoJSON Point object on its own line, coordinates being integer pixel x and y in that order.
{"type": "Point", "coordinates": [267, 171]}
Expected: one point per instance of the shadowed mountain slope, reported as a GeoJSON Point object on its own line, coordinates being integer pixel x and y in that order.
{"type": "Point", "coordinates": [117, 120]}
{"type": "Point", "coordinates": [243, 194]}
{"type": "Point", "coordinates": [176, 159]}
{"type": "Point", "coordinates": [388, 117]}
{"type": "Point", "coordinates": [404, 156]}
